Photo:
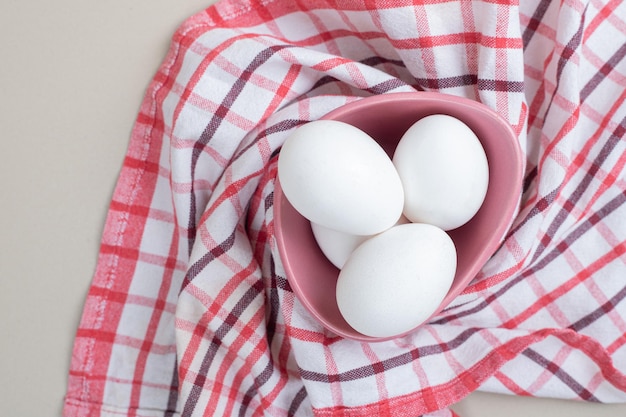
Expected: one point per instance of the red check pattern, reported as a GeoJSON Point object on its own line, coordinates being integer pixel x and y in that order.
{"type": "Point", "coordinates": [189, 312]}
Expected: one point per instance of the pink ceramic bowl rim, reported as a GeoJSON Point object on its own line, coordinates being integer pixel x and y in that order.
{"type": "Point", "coordinates": [502, 226]}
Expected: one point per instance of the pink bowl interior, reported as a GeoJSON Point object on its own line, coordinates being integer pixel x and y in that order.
{"type": "Point", "coordinates": [386, 118]}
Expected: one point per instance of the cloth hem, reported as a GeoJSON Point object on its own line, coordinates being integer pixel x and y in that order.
{"type": "Point", "coordinates": [74, 407]}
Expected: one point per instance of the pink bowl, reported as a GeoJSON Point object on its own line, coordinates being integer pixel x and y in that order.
{"type": "Point", "coordinates": [386, 117]}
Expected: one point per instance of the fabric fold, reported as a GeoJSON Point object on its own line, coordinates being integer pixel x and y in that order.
{"type": "Point", "coordinates": [190, 313]}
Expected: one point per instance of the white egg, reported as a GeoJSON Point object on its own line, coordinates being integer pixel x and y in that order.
{"type": "Point", "coordinates": [339, 177]}
{"type": "Point", "coordinates": [337, 246]}
{"type": "Point", "coordinates": [394, 281]}
{"type": "Point", "coordinates": [444, 171]}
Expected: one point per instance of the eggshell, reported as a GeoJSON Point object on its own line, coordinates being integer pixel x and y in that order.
{"type": "Point", "coordinates": [337, 246]}
{"type": "Point", "coordinates": [444, 171]}
{"type": "Point", "coordinates": [337, 176]}
{"type": "Point", "coordinates": [394, 281]}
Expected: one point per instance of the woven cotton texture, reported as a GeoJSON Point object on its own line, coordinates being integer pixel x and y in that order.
{"type": "Point", "coordinates": [189, 312]}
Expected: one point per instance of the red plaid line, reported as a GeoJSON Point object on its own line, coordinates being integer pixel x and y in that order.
{"type": "Point", "coordinates": [190, 312]}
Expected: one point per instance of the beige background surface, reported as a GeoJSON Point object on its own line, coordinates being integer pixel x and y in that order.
{"type": "Point", "coordinates": [72, 75]}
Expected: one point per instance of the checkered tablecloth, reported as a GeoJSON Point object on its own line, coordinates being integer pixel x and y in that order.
{"type": "Point", "coordinates": [189, 312]}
